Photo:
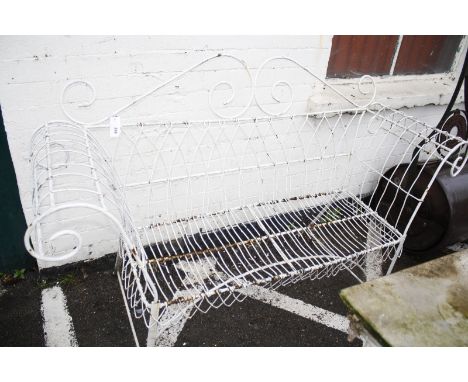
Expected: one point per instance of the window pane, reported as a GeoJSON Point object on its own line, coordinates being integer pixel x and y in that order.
{"type": "Point", "coordinates": [426, 54]}
{"type": "Point", "coordinates": [353, 56]}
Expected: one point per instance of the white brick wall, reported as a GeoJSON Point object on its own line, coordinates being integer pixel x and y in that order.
{"type": "Point", "coordinates": [34, 70]}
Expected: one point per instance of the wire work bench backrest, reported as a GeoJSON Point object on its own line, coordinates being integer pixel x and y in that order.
{"type": "Point", "coordinates": [259, 155]}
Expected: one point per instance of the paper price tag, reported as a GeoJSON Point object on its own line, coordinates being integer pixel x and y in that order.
{"type": "Point", "coordinates": [114, 127]}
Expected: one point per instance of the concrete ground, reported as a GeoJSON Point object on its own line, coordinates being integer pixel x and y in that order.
{"type": "Point", "coordinates": [82, 305]}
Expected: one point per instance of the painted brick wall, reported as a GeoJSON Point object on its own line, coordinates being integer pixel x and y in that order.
{"type": "Point", "coordinates": [34, 70]}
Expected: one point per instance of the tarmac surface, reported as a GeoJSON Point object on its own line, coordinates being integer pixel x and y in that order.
{"type": "Point", "coordinates": [99, 318]}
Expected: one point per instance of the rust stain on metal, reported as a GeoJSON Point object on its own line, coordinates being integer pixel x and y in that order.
{"type": "Point", "coordinates": [223, 248]}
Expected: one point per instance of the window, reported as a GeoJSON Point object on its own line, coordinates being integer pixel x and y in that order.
{"type": "Point", "coordinates": [353, 56]}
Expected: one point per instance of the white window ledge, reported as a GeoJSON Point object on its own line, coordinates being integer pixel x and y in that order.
{"type": "Point", "coordinates": [393, 91]}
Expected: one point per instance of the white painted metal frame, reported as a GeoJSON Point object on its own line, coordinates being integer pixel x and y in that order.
{"type": "Point", "coordinates": [258, 194]}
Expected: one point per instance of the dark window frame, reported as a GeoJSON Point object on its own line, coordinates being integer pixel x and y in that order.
{"type": "Point", "coordinates": [354, 56]}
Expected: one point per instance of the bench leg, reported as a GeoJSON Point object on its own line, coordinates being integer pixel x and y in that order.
{"type": "Point", "coordinates": [167, 335]}
{"type": "Point", "coordinates": [373, 265]}
{"type": "Point", "coordinates": [395, 257]}
{"type": "Point", "coordinates": [154, 325]}
{"type": "Point", "coordinates": [118, 264]}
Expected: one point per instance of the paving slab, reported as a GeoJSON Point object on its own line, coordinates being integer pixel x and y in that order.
{"type": "Point", "coordinates": [425, 305]}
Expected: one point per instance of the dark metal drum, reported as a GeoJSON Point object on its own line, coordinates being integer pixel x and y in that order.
{"type": "Point", "coordinates": [442, 218]}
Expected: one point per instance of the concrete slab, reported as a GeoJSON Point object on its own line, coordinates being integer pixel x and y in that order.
{"type": "Point", "coordinates": [426, 305]}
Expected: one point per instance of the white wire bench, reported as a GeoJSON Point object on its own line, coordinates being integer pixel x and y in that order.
{"type": "Point", "coordinates": [261, 196]}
